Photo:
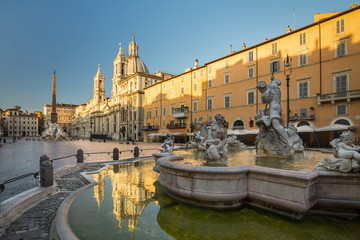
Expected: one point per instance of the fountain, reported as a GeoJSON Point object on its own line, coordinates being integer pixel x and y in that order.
{"type": "Point", "coordinates": [53, 132]}
{"type": "Point", "coordinates": [291, 193]}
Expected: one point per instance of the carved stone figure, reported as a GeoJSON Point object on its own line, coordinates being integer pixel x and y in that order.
{"type": "Point", "coordinates": [168, 144]}
{"type": "Point", "coordinates": [272, 138]}
{"type": "Point", "coordinates": [53, 132]}
{"type": "Point", "coordinates": [346, 153]}
{"type": "Point", "coordinates": [233, 142]}
{"type": "Point", "coordinates": [216, 150]}
{"type": "Point", "coordinates": [200, 136]}
{"type": "Point", "coordinates": [295, 139]}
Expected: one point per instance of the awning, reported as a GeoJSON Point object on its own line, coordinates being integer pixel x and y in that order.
{"type": "Point", "coordinates": [335, 127]}
{"type": "Point", "coordinates": [164, 134]}
{"type": "Point", "coordinates": [306, 129]}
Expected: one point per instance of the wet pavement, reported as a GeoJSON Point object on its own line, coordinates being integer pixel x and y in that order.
{"type": "Point", "coordinates": [35, 223]}
{"type": "Point", "coordinates": [22, 157]}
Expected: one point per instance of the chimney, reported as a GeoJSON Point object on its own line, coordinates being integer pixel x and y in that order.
{"type": "Point", "coordinates": [231, 49]}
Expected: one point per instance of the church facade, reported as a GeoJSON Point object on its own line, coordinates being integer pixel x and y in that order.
{"type": "Point", "coordinates": [121, 116]}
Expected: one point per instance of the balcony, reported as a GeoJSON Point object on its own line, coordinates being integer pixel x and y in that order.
{"type": "Point", "coordinates": [176, 125]}
{"type": "Point", "coordinates": [150, 128]}
{"type": "Point", "coordinates": [332, 97]}
{"type": "Point", "coordinates": [181, 112]}
{"type": "Point", "coordinates": [295, 117]}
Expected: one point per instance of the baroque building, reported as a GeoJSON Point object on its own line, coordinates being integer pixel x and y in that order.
{"type": "Point", "coordinates": [121, 116]}
{"type": "Point", "coordinates": [324, 90]}
{"type": "Point", "coordinates": [64, 114]}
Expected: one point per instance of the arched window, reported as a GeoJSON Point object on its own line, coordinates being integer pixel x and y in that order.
{"type": "Point", "coordinates": [303, 123]}
{"type": "Point", "coordinates": [342, 122]}
{"type": "Point", "coordinates": [238, 124]}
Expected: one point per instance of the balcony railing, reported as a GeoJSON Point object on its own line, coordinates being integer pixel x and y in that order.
{"type": "Point", "coordinates": [180, 112]}
{"type": "Point", "coordinates": [150, 128]}
{"type": "Point", "coordinates": [332, 97]}
{"type": "Point", "coordinates": [176, 125]}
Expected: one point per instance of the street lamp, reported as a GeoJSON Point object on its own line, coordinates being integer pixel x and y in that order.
{"type": "Point", "coordinates": [287, 73]}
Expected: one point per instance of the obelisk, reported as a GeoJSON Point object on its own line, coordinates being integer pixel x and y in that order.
{"type": "Point", "coordinates": [53, 111]}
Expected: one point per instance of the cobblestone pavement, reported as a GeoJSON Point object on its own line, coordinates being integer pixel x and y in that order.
{"type": "Point", "coordinates": [36, 222]}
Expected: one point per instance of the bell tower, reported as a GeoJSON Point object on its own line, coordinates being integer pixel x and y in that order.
{"type": "Point", "coordinates": [99, 89]}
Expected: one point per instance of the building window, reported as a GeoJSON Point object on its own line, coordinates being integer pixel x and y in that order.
{"type": "Point", "coordinates": [172, 92]}
{"type": "Point", "coordinates": [163, 123]}
{"type": "Point", "coordinates": [173, 83]}
{"type": "Point", "coordinates": [182, 79]}
{"type": "Point", "coordinates": [343, 122]}
{"type": "Point", "coordinates": [251, 72]}
{"type": "Point", "coordinates": [172, 108]}
{"type": "Point", "coordinates": [303, 89]}
{"type": "Point", "coordinates": [201, 72]}
{"type": "Point", "coordinates": [149, 114]}
{"type": "Point", "coordinates": [227, 78]}
{"type": "Point", "coordinates": [340, 26]}
{"type": "Point", "coordinates": [302, 38]}
{"type": "Point", "coordinates": [303, 59]}
{"type": "Point", "coordinates": [209, 103]}
{"type": "Point", "coordinates": [195, 106]}
{"type": "Point", "coordinates": [210, 83]}
{"type": "Point", "coordinates": [164, 110]}
{"type": "Point", "coordinates": [226, 64]}
{"type": "Point", "coordinates": [274, 48]}
{"type": "Point", "coordinates": [251, 97]}
{"type": "Point", "coordinates": [195, 120]}
{"type": "Point", "coordinates": [195, 86]}
{"type": "Point", "coordinates": [209, 70]}
{"type": "Point", "coordinates": [341, 109]}
{"type": "Point", "coordinates": [182, 90]}
{"type": "Point", "coordinates": [303, 113]}
{"type": "Point", "coordinates": [341, 48]}
{"type": "Point", "coordinates": [164, 95]}
{"type": "Point", "coordinates": [194, 75]}
{"type": "Point", "coordinates": [210, 119]}
{"type": "Point", "coordinates": [341, 85]}
{"type": "Point", "coordinates": [156, 112]}
{"type": "Point", "coordinates": [227, 101]}
{"type": "Point", "coordinates": [250, 56]}
{"type": "Point", "coordinates": [274, 66]}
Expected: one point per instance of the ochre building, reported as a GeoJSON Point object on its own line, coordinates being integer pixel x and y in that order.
{"type": "Point", "coordinates": [324, 89]}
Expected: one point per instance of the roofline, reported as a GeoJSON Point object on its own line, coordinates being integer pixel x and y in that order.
{"type": "Point", "coordinates": [286, 34]}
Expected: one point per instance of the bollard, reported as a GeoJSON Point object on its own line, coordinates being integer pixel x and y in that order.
{"type": "Point", "coordinates": [46, 172]}
{"type": "Point", "coordinates": [136, 151]}
{"type": "Point", "coordinates": [80, 156]}
{"type": "Point", "coordinates": [116, 154]}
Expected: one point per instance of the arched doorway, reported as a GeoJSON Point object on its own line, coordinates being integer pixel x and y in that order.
{"type": "Point", "coordinates": [238, 124]}
{"type": "Point", "coordinates": [303, 123]}
{"type": "Point", "coordinates": [343, 122]}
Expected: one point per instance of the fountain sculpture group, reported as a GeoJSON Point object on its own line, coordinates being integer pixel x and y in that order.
{"type": "Point", "coordinates": [53, 132]}
{"type": "Point", "coordinates": [291, 193]}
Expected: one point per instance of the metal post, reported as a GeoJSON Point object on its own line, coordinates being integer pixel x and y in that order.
{"type": "Point", "coordinates": [116, 154]}
{"type": "Point", "coordinates": [288, 101]}
{"type": "Point", "coordinates": [46, 172]}
{"type": "Point", "coordinates": [136, 151]}
{"type": "Point", "coordinates": [80, 156]}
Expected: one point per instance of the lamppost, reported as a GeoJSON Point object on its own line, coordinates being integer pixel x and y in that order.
{"type": "Point", "coordinates": [287, 73]}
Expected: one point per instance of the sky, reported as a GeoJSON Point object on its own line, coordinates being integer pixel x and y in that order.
{"type": "Point", "coordinates": [74, 36]}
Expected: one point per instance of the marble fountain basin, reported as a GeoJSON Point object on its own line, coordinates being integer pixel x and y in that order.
{"type": "Point", "coordinates": [288, 192]}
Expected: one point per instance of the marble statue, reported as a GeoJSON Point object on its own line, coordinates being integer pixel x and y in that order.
{"type": "Point", "coordinates": [216, 150]}
{"type": "Point", "coordinates": [294, 137]}
{"type": "Point", "coordinates": [53, 132]}
{"type": "Point", "coordinates": [200, 135]}
{"type": "Point", "coordinates": [233, 142]}
{"type": "Point", "coordinates": [168, 144]}
{"type": "Point", "coordinates": [272, 138]}
{"type": "Point", "coordinates": [347, 155]}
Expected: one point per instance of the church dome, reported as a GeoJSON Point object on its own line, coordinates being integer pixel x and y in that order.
{"type": "Point", "coordinates": [134, 63]}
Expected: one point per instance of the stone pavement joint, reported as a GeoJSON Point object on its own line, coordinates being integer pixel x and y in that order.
{"type": "Point", "coordinates": [35, 223]}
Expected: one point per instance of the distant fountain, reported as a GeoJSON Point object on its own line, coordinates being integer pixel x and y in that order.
{"type": "Point", "coordinates": [53, 132]}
